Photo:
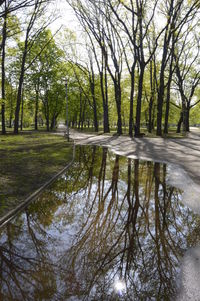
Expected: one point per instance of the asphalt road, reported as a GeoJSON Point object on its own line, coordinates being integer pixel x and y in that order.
{"type": "Point", "coordinates": [184, 152]}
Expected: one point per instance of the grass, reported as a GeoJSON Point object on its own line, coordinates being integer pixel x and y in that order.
{"type": "Point", "coordinates": [27, 161]}
{"type": "Point", "coordinates": [113, 131]}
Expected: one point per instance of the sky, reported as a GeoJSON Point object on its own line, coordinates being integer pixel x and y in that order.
{"type": "Point", "coordinates": [67, 17]}
{"type": "Point", "coordinates": [68, 20]}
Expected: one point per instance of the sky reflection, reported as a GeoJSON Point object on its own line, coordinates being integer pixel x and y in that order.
{"type": "Point", "coordinates": [111, 228]}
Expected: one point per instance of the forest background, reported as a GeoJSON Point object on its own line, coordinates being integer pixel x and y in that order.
{"type": "Point", "coordinates": [130, 66]}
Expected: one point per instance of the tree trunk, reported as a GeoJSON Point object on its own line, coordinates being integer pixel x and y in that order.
{"type": "Point", "coordinates": [178, 130]}
{"type": "Point", "coordinates": [22, 113]}
{"type": "Point", "coordinates": [54, 121]}
{"type": "Point", "coordinates": [139, 101]}
{"type": "Point", "coordinates": [160, 104]}
{"type": "Point", "coordinates": [47, 120]}
{"type": "Point", "coordinates": [106, 112]}
{"type": "Point", "coordinates": [167, 109]}
{"type": "Point", "coordinates": [103, 81]}
{"type": "Point", "coordinates": [3, 118]}
{"type": "Point", "coordinates": [83, 115]}
{"type": "Point", "coordinates": [187, 122]}
{"type": "Point", "coordinates": [167, 105]}
{"type": "Point", "coordinates": [153, 82]}
{"type": "Point", "coordinates": [136, 193]}
{"type": "Point", "coordinates": [3, 45]}
{"type": "Point", "coordinates": [80, 112]}
{"type": "Point", "coordinates": [161, 87]}
{"type": "Point", "coordinates": [118, 104]}
{"type": "Point", "coordinates": [19, 92]}
{"type": "Point", "coordinates": [22, 71]}
{"type": "Point", "coordinates": [168, 92]}
{"type": "Point", "coordinates": [92, 85]}
{"type": "Point", "coordinates": [131, 100]}
{"type": "Point", "coordinates": [92, 88]}
{"type": "Point", "coordinates": [153, 118]}
{"type": "Point", "coordinates": [150, 114]}
{"type": "Point", "coordinates": [46, 110]}
{"type": "Point", "coordinates": [10, 121]}
{"type": "Point", "coordinates": [36, 106]}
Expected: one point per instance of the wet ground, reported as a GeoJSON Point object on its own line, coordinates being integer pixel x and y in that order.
{"type": "Point", "coordinates": [182, 151]}
{"type": "Point", "coordinates": [110, 228]}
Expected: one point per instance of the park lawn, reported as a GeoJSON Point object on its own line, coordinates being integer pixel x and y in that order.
{"type": "Point", "coordinates": [27, 161]}
{"type": "Point", "coordinates": [113, 131]}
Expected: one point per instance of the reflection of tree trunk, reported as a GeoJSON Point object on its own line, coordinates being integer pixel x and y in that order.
{"type": "Point", "coordinates": [157, 219]}
{"type": "Point", "coordinates": [128, 233]}
{"type": "Point", "coordinates": [148, 186]}
{"type": "Point", "coordinates": [132, 212]}
{"type": "Point", "coordinates": [103, 170]}
{"type": "Point", "coordinates": [136, 190]}
{"type": "Point", "coordinates": [115, 176]}
{"type": "Point", "coordinates": [101, 180]}
{"type": "Point", "coordinates": [161, 228]}
{"type": "Point", "coordinates": [164, 194]}
{"type": "Point", "coordinates": [90, 173]}
{"type": "Point", "coordinates": [129, 183]}
{"type": "Point", "coordinates": [36, 242]}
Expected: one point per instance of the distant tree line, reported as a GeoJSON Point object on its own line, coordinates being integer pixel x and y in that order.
{"type": "Point", "coordinates": [156, 44]}
{"type": "Point", "coordinates": [137, 64]}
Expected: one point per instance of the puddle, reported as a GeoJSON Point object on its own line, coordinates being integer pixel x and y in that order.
{"type": "Point", "coordinates": [111, 228]}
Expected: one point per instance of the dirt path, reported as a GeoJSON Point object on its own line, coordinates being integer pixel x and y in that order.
{"type": "Point", "coordinates": [185, 152]}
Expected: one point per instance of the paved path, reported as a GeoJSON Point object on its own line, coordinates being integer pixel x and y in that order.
{"type": "Point", "coordinates": [184, 152]}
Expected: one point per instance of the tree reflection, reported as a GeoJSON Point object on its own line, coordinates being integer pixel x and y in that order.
{"type": "Point", "coordinates": [107, 220]}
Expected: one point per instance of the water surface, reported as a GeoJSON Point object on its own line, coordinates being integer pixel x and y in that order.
{"type": "Point", "coordinates": [111, 228]}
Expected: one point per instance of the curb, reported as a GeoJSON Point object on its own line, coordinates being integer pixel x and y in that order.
{"type": "Point", "coordinates": [12, 213]}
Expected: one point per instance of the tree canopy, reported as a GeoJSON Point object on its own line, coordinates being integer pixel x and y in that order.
{"type": "Point", "coordinates": [135, 66]}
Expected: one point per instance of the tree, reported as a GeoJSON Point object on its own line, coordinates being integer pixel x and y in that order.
{"type": "Point", "coordinates": [15, 5]}
{"type": "Point", "coordinates": [3, 49]}
{"type": "Point", "coordinates": [105, 35]}
{"type": "Point", "coordinates": [30, 38]}
{"type": "Point", "coordinates": [10, 32]}
{"type": "Point", "coordinates": [46, 75]}
{"type": "Point", "coordinates": [178, 14]}
{"type": "Point", "coordinates": [187, 74]}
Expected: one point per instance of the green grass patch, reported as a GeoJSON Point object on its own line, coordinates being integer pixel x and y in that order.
{"type": "Point", "coordinates": [113, 131]}
{"type": "Point", "coordinates": [27, 161]}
